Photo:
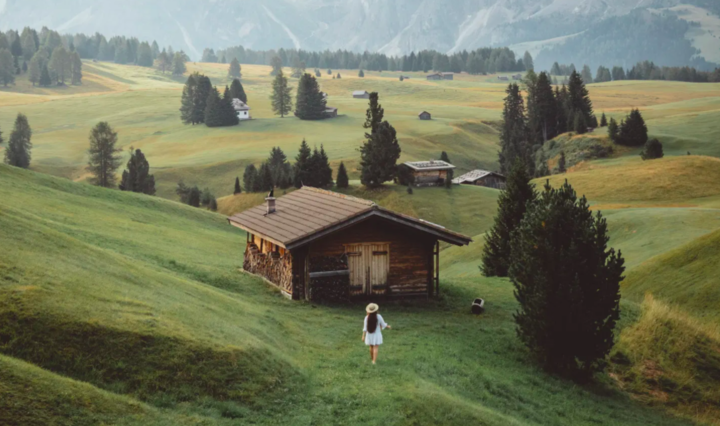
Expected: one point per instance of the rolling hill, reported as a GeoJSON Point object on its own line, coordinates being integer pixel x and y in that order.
{"type": "Point", "coordinates": [134, 307]}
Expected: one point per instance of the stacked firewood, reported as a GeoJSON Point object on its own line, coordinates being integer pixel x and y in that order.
{"type": "Point", "coordinates": [272, 266]}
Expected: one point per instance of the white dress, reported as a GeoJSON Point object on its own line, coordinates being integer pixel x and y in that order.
{"type": "Point", "coordinates": [374, 339]}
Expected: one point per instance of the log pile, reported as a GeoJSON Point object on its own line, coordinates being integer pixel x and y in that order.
{"type": "Point", "coordinates": [272, 266]}
{"type": "Point", "coordinates": [331, 282]}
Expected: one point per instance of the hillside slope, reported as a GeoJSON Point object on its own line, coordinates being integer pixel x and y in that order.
{"type": "Point", "coordinates": [140, 298]}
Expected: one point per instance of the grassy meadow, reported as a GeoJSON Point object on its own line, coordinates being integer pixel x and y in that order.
{"type": "Point", "coordinates": [118, 308]}
{"type": "Point", "coordinates": [143, 106]}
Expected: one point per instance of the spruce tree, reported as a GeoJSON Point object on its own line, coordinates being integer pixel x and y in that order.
{"type": "Point", "coordinates": [234, 70]}
{"type": "Point", "coordinates": [280, 97]}
{"type": "Point", "coordinates": [310, 103]}
{"type": "Point", "coordinates": [579, 100]}
{"type": "Point", "coordinates": [302, 174]}
{"type": "Point", "coordinates": [214, 111]}
{"type": "Point", "coordinates": [230, 117]}
{"type": "Point", "coordinates": [342, 177]}
{"type": "Point", "coordinates": [579, 124]}
{"type": "Point", "coordinates": [237, 189]}
{"type": "Point", "coordinates": [653, 149]}
{"type": "Point", "coordinates": [512, 205]}
{"type": "Point", "coordinates": [103, 161]}
{"type": "Point", "coordinates": [374, 114]}
{"type": "Point", "coordinates": [567, 283]}
{"type": "Point", "coordinates": [379, 155]}
{"type": "Point", "coordinates": [7, 67]}
{"type": "Point", "coordinates": [187, 101]}
{"type": "Point", "coordinates": [603, 121]}
{"type": "Point", "coordinates": [361, 74]}
{"type": "Point", "coordinates": [76, 65]}
{"type": "Point", "coordinates": [325, 171]}
{"type": "Point", "coordinates": [542, 108]}
{"type": "Point", "coordinates": [613, 130]}
{"type": "Point", "coordinates": [277, 64]}
{"type": "Point", "coordinates": [137, 177]}
{"type": "Point", "coordinates": [444, 157]}
{"type": "Point", "coordinates": [249, 178]}
{"type": "Point", "coordinates": [280, 168]}
{"type": "Point", "coordinates": [264, 180]}
{"type": "Point", "coordinates": [19, 146]}
{"type": "Point", "coordinates": [237, 91]}
{"type": "Point", "coordinates": [203, 89]}
{"type": "Point", "coordinates": [633, 131]}
{"type": "Point", "coordinates": [45, 79]}
{"type": "Point", "coordinates": [514, 143]}
{"type": "Point", "coordinates": [561, 162]}
{"type": "Point", "coordinates": [35, 69]}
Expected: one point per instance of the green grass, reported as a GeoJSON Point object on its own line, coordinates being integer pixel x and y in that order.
{"type": "Point", "coordinates": [140, 298]}
{"type": "Point", "coordinates": [143, 104]}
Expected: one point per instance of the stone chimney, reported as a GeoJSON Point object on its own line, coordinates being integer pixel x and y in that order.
{"type": "Point", "coordinates": [270, 199]}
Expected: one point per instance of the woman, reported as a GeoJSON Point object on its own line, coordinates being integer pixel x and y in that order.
{"type": "Point", "coordinates": [372, 334]}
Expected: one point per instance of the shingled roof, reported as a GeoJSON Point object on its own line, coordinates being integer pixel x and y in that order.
{"type": "Point", "coordinates": [304, 215]}
{"type": "Point", "coordinates": [473, 176]}
{"type": "Point", "coordinates": [429, 165]}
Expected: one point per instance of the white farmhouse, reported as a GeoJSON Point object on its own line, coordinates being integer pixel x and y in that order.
{"type": "Point", "coordinates": [241, 109]}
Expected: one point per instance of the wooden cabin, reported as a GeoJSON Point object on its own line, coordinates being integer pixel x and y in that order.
{"type": "Point", "coordinates": [481, 178]}
{"type": "Point", "coordinates": [331, 112]}
{"type": "Point", "coordinates": [434, 76]}
{"type": "Point", "coordinates": [425, 115]}
{"type": "Point", "coordinates": [428, 173]}
{"type": "Point", "coordinates": [361, 94]}
{"type": "Point", "coordinates": [311, 235]}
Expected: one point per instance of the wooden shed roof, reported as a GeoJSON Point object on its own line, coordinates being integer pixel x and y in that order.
{"type": "Point", "coordinates": [429, 165]}
{"type": "Point", "coordinates": [474, 176]}
{"type": "Point", "coordinates": [304, 215]}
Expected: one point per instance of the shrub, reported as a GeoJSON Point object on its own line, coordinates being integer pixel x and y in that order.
{"type": "Point", "coordinates": [653, 149]}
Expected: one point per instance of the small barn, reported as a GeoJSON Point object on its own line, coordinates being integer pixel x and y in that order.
{"type": "Point", "coordinates": [435, 76]}
{"type": "Point", "coordinates": [517, 76]}
{"type": "Point", "coordinates": [425, 115]}
{"type": "Point", "coordinates": [502, 78]}
{"type": "Point", "coordinates": [312, 237]}
{"type": "Point", "coordinates": [481, 178]}
{"type": "Point", "coordinates": [241, 109]}
{"type": "Point", "coordinates": [448, 76]}
{"type": "Point", "coordinates": [361, 94]}
{"type": "Point", "coordinates": [428, 173]}
{"type": "Point", "coordinates": [331, 112]}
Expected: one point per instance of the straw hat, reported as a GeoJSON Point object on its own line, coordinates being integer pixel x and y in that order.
{"type": "Point", "coordinates": [373, 307]}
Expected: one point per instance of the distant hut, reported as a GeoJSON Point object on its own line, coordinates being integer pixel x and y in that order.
{"type": "Point", "coordinates": [447, 76]}
{"type": "Point", "coordinates": [312, 238]}
{"type": "Point", "coordinates": [481, 178]}
{"type": "Point", "coordinates": [502, 78]}
{"type": "Point", "coordinates": [241, 109]}
{"type": "Point", "coordinates": [331, 112]}
{"type": "Point", "coordinates": [361, 94]}
{"type": "Point", "coordinates": [517, 76]}
{"type": "Point", "coordinates": [425, 115]}
{"type": "Point", "coordinates": [428, 173]}
{"type": "Point", "coordinates": [435, 76]}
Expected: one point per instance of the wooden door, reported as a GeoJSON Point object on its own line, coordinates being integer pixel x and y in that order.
{"type": "Point", "coordinates": [369, 264]}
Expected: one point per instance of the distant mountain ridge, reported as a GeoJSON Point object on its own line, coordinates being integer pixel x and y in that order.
{"type": "Point", "coordinates": [389, 26]}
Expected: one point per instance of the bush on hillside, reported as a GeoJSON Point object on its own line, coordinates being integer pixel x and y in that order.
{"type": "Point", "coordinates": [633, 131]}
{"type": "Point", "coordinates": [653, 149]}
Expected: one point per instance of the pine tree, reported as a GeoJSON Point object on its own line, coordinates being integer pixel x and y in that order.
{"type": "Point", "coordinates": [325, 171]}
{"type": "Point", "coordinates": [277, 64]}
{"type": "Point", "coordinates": [34, 69]}
{"type": "Point", "coordinates": [379, 155]}
{"type": "Point", "coordinates": [280, 97]}
{"type": "Point", "coordinates": [542, 108]}
{"type": "Point", "coordinates": [587, 74]}
{"type": "Point", "coordinates": [444, 157]}
{"type": "Point", "coordinates": [234, 70]}
{"type": "Point", "coordinates": [302, 174]}
{"type": "Point", "coordinates": [76, 65]}
{"type": "Point", "coordinates": [187, 101]}
{"type": "Point", "coordinates": [280, 168]}
{"type": "Point", "coordinates": [60, 64]}
{"type": "Point", "coordinates": [653, 149]}
{"type": "Point", "coordinates": [528, 61]}
{"type": "Point", "coordinates": [613, 130]}
{"type": "Point", "coordinates": [514, 136]}
{"type": "Point", "coordinates": [310, 103]}
{"type": "Point", "coordinates": [512, 204]}
{"type": "Point", "coordinates": [16, 47]}
{"type": "Point", "coordinates": [603, 121]}
{"type": "Point", "coordinates": [137, 177]}
{"type": "Point", "coordinates": [579, 124]}
{"type": "Point", "coordinates": [633, 131]}
{"type": "Point", "coordinates": [237, 91]}
{"type": "Point", "coordinates": [230, 117]}
{"type": "Point", "coordinates": [202, 92]}
{"type": "Point", "coordinates": [338, 75]}
{"type": "Point", "coordinates": [579, 100]}
{"type": "Point", "coordinates": [567, 283]}
{"type": "Point", "coordinates": [163, 62]}
{"type": "Point", "coordinates": [214, 112]}
{"type": "Point", "coordinates": [237, 189]}
{"type": "Point", "coordinates": [374, 114]}
{"type": "Point", "coordinates": [342, 177]}
{"type": "Point", "coordinates": [561, 162]}
{"type": "Point", "coordinates": [19, 146]}
{"type": "Point", "coordinates": [45, 79]}
{"type": "Point", "coordinates": [7, 67]}
{"type": "Point", "coordinates": [178, 64]}
{"type": "Point", "coordinates": [361, 74]}
{"type": "Point", "coordinates": [103, 161]}
{"type": "Point", "coordinates": [264, 180]}
{"type": "Point", "coordinates": [249, 178]}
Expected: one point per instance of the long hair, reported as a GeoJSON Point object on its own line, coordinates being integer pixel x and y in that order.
{"type": "Point", "coordinates": [372, 322]}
